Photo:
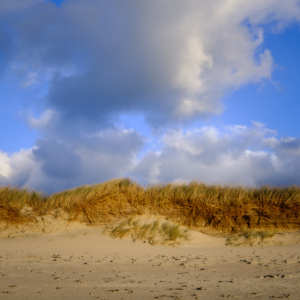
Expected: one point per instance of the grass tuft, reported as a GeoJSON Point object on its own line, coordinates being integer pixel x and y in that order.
{"type": "Point", "coordinates": [249, 238]}
{"type": "Point", "coordinates": [152, 232]}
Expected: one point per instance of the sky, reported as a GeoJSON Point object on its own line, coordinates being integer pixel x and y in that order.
{"type": "Point", "coordinates": [159, 91]}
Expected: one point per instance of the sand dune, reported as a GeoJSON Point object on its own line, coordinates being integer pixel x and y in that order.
{"type": "Point", "coordinates": [73, 261]}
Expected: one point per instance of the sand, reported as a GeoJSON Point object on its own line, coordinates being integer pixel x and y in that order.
{"type": "Point", "coordinates": [82, 263]}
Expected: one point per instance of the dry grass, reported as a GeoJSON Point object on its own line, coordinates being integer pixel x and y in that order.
{"type": "Point", "coordinates": [150, 231]}
{"type": "Point", "coordinates": [209, 209]}
{"type": "Point", "coordinates": [249, 238]}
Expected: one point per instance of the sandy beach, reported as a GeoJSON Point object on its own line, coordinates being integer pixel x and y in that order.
{"type": "Point", "coordinates": [82, 263]}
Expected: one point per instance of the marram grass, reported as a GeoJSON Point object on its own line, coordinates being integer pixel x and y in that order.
{"type": "Point", "coordinates": [149, 231]}
{"type": "Point", "coordinates": [249, 238]}
{"type": "Point", "coordinates": [206, 208]}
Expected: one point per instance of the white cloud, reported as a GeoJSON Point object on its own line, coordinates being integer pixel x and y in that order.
{"type": "Point", "coordinates": [42, 121]}
{"type": "Point", "coordinates": [229, 155]}
{"type": "Point", "coordinates": [54, 165]}
{"type": "Point", "coordinates": [194, 63]}
{"type": "Point", "coordinates": [232, 155]}
{"type": "Point", "coordinates": [168, 59]}
{"type": "Point", "coordinates": [5, 168]}
{"type": "Point", "coordinates": [16, 168]}
{"type": "Point", "coordinates": [154, 173]}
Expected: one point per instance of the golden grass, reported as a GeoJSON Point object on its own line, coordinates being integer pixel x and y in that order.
{"type": "Point", "coordinates": [210, 209]}
{"type": "Point", "coordinates": [150, 231]}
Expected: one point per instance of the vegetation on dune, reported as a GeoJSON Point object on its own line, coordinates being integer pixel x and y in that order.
{"type": "Point", "coordinates": [150, 231]}
{"type": "Point", "coordinates": [219, 209]}
{"type": "Point", "coordinates": [249, 238]}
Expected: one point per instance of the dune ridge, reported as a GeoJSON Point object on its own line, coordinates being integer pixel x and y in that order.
{"type": "Point", "coordinates": [214, 210]}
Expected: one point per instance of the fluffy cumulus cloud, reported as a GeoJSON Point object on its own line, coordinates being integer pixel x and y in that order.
{"type": "Point", "coordinates": [233, 155]}
{"type": "Point", "coordinates": [54, 165]}
{"type": "Point", "coordinates": [240, 155]}
{"type": "Point", "coordinates": [88, 62]}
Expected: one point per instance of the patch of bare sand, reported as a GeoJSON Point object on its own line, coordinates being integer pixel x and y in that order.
{"type": "Point", "coordinates": [73, 261]}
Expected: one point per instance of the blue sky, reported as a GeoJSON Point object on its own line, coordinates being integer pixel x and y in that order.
{"type": "Point", "coordinates": [277, 102]}
{"type": "Point", "coordinates": [161, 91]}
